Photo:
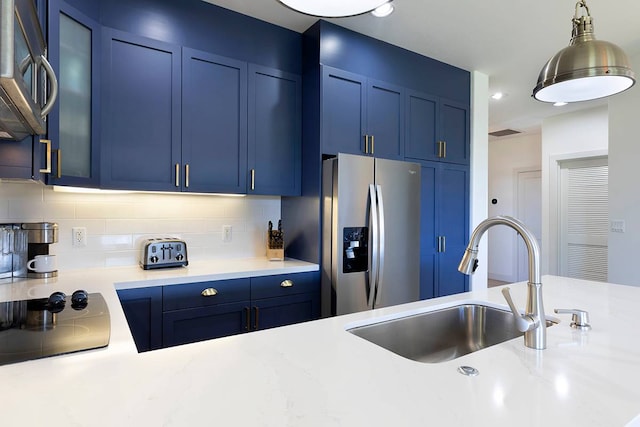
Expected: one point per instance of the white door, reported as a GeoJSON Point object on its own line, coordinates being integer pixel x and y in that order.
{"type": "Point", "coordinates": [529, 211]}
{"type": "Point", "coordinates": [584, 219]}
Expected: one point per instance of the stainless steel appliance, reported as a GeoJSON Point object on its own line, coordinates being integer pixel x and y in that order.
{"type": "Point", "coordinates": [13, 251]}
{"type": "Point", "coordinates": [40, 236]}
{"type": "Point", "coordinates": [28, 85]}
{"type": "Point", "coordinates": [163, 252]}
{"type": "Point", "coordinates": [42, 327]}
{"type": "Point", "coordinates": [371, 233]}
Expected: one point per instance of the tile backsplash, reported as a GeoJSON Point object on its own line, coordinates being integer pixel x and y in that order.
{"type": "Point", "coordinates": [116, 222]}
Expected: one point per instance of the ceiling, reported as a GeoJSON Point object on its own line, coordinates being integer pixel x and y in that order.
{"type": "Point", "coordinates": [508, 40]}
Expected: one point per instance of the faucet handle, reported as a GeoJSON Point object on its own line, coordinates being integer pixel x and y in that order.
{"type": "Point", "coordinates": [579, 318]}
{"type": "Point", "coordinates": [523, 323]}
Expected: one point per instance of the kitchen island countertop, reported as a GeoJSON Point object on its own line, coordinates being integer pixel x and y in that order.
{"type": "Point", "coordinates": [317, 374]}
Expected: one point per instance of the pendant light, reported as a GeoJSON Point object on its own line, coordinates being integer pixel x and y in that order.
{"type": "Point", "coordinates": [586, 69]}
{"type": "Point", "coordinates": [333, 8]}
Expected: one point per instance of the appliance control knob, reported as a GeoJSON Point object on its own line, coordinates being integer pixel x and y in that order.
{"type": "Point", "coordinates": [153, 259]}
{"type": "Point", "coordinates": [179, 257]}
{"type": "Point", "coordinates": [56, 302]}
{"type": "Point", "coordinates": [79, 299]}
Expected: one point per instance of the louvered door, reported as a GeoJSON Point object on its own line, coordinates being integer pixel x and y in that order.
{"type": "Point", "coordinates": [584, 219]}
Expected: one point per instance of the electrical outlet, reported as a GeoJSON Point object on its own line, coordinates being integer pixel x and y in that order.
{"type": "Point", "coordinates": [79, 237]}
{"type": "Point", "coordinates": [227, 233]}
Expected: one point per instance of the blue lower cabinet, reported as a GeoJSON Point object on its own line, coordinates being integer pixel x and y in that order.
{"type": "Point", "coordinates": [281, 311]}
{"type": "Point", "coordinates": [198, 324]}
{"type": "Point", "coordinates": [285, 299]}
{"type": "Point", "coordinates": [143, 309]}
{"type": "Point", "coordinates": [444, 229]}
{"type": "Point", "coordinates": [205, 310]}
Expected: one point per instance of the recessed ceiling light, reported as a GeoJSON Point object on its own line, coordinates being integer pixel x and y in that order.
{"type": "Point", "coordinates": [383, 11]}
{"type": "Point", "coordinates": [333, 8]}
{"type": "Point", "coordinates": [497, 95]}
{"type": "Point", "coordinates": [560, 104]}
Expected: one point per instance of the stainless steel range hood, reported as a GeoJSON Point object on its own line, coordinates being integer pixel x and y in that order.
{"type": "Point", "coordinates": [25, 73]}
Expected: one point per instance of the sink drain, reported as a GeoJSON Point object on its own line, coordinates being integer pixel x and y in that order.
{"type": "Point", "coordinates": [469, 371]}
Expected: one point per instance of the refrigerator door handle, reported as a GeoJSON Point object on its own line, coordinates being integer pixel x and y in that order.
{"type": "Point", "coordinates": [373, 266]}
{"type": "Point", "coordinates": [381, 245]}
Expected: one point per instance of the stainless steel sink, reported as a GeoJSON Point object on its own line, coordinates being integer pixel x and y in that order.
{"type": "Point", "coordinates": [441, 335]}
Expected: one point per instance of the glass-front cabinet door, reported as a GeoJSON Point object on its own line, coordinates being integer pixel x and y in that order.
{"type": "Point", "coordinates": [74, 123]}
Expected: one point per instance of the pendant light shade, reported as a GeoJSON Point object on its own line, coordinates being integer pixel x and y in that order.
{"type": "Point", "coordinates": [333, 8]}
{"type": "Point", "coordinates": [586, 69]}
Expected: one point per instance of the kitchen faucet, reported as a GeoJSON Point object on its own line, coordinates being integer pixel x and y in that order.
{"type": "Point", "coordinates": [533, 323]}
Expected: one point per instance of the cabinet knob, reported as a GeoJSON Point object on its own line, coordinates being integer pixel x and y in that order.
{"type": "Point", "coordinates": [209, 292]}
{"type": "Point", "coordinates": [286, 283]}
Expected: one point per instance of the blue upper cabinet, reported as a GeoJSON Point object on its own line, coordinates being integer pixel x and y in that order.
{"type": "Point", "coordinates": [454, 131]}
{"type": "Point", "coordinates": [422, 130]}
{"type": "Point", "coordinates": [436, 129]}
{"type": "Point", "coordinates": [73, 124]}
{"type": "Point", "coordinates": [141, 113]}
{"type": "Point", "coordinates": [385, 126]}
{"type": "Point", "coordinates": [360, 115]}
{"type": "Point", "coordinates": [275, 132]}
{"type": "Point", "coordinates": [343, 114]}
{"type": "Point", "coordinates": [214, 123]}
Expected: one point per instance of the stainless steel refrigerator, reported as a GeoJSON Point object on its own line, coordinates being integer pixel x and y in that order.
{"type": "Point", "coordinates": [371, 233]}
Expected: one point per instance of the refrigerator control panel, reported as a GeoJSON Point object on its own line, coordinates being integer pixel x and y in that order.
{"type": "Point", "coordinates": [355, 253]}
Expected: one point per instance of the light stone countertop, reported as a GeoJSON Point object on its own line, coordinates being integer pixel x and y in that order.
{"type": "Point", "coordinates": [317, 374]}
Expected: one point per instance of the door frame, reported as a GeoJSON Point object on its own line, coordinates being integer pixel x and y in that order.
{"type": "Point", "coordinates": [516, 210]}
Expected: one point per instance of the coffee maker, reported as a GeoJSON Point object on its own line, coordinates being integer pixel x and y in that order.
{"type": "Point", "coordinates": [40, 235]}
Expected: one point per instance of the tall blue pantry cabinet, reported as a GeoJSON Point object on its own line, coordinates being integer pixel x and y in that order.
{"type": "Point", "coordinates": [367, 97]}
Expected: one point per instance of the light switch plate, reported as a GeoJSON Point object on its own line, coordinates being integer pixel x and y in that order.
{"type": "Point", "coordinates": [617, 226]}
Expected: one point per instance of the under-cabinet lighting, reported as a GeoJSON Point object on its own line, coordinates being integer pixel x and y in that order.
{"type": "Point", "coordinates": [83, 190]}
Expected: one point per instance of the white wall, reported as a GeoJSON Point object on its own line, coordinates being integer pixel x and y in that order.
{"type": "Point", "coordinates": [116, 222]}
{"type": "Point", "coordinates": [508, 155]}
{"type": "Point", "coordinates": [624, 179]}
{"type": "Point", "coordinates": [479, 172]}
{"type": "Point", "coordinates": [572, 135]}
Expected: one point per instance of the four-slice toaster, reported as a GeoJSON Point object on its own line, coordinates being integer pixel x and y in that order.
{"type": "Point", "coordinates": [163, 252]}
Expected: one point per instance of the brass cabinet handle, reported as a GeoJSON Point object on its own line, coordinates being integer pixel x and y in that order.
{"type": "Point", "coordinates": [286, 283]}
{"type": "Point", "coordinates": [59, 163]}
{"type": "Point", "coordinates": [177, 174]}
{"type": "Point", "coordinates": [47, 168]}
{"type": "Point", "coordinates": [366, 144]}
{"type": "Point", "coordinates": [186, 175]}
{"type": "Point", "coordinates": [372, 144]}
{"type": "Point", "coordinates": [256, 318]}
{"type": "Point", "coordinates": [253, 179]}
{"type": "Point", "coordinates": [209, 292]}
{"type": "Point", "coordinates": [247, 318]}
{"type": "Point", "coordinates": [442, 149]}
